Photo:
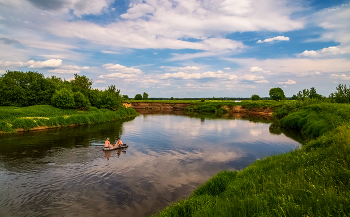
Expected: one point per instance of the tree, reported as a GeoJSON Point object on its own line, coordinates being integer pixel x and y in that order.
{"type": "Point", "coordinates": [145, 95]}
{"type": "Point", "coordinates": [25, 89]}
{"type": "Point", "coordinates": [138, 97]}
{"type": "Point", "coordinates": [294, 97]}
{"type": "Point", "coordinates": [125, 97]}
{"type": "Point", "coordinates": [277, 93]}
{"type": "Point", "coordinates": [80, 101]}
{"type": "Point", "coordinates": [63, 99]}
{"type": "Point", "coordinates": [82, 84]}
{"type": "Point", "coordinates": [255, 97]}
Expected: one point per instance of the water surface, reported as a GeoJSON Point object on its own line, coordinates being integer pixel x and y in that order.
{"type": "Point", "coordinates": [64, 172]}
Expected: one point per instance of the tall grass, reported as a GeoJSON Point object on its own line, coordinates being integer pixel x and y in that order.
{"type": "Point", "coordinates": [311, 181]}
{"type": "Point", "coordinates": [13, 118]}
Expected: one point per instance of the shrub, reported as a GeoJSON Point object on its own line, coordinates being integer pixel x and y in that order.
{"type": "Point", "coordinates": [221, 111]}
{"type": "Point", "coordinates": [23, 123]}
{"type": "Point", "coordinates": [63, 99]}
{"type": "Point", "coordinates": [5, 127]}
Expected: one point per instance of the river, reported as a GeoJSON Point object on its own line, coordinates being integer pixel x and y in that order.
{"type": "Point", "coordinates": [64, 172]}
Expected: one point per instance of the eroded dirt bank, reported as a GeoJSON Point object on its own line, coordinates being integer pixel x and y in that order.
{"type": "Point", "coordinates": [157, 106]}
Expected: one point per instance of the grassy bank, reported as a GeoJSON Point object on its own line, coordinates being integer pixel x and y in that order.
{"type": "Point", "coordinates": [14, 118]}
{"type": "Point", "coordinates": [311, 181]}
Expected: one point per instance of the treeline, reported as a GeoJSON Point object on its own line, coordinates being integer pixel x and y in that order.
{"type": "Point", "coordinates": [32, 88]}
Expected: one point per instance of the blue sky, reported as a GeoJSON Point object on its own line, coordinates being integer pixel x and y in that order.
{"type": "Point", "coordinates": [169, 48]}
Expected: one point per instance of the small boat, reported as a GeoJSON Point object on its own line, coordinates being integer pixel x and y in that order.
{"type": "Point", "coordinates": [115, 147]}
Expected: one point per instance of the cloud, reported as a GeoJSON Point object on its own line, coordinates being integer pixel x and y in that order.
{"type": "Point", "coordinates": [8, 41]}
{"type": "Point", "coordinates": [79, 7]}
{"type": "Point", "coordinates": [121, 69]}
{"type": "Point", "coordinates": [287, 82]}
{"type": "Point", "coordinates": [330, 51]}
{"type": "Point", "coordinates": [342, 76]}
{"type": "Point", "coordinates": [208, 74]}
{"type": "Point", "coordinates": [258, 69]}
{"type": "Point", "coordinates": [277, 38]}
{"type": "Point", "coordinates": [138, 11]}
{"type": "Point", "coordinates": [47, 63]}
{"type": "Point", "coordinates": [227, 68]}
{"type": "Point", "coordinates": [258, 79]}
{"type": "Point", "coordinates": [33, 64]}
{"type": "Point", "coordinates": [186, 68]}
{"type": "Point", "coordinates": [298, 67]}
{"type": "Point", "coordinates": [64, 71]}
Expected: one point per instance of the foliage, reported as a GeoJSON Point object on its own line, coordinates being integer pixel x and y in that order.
{"type": "Point", "coordinates": [80, 101]}
{"type": "Point", "coordinates": [342, 95]}
{"type": "Point", "coordinates": [25, 89]}
{"type": "Point", "coordinates": [317, 119]}
{"type": "Point", "coordinates": [277, 94]}
{"type": "Point", "coordinates": [255, 97]}
{"type": "Point", "coordinates": [308, 94]}
{"type": "Point", "coordinates": [12, 118]}
{"type": "Point", "coordinates": [202, 99]}
{"type": "Point", "coordinates": [145, 96]}
{"type": "Point", "coordinates": [82, 84]}
{"type": "Point", "coordinates": [138, 97]}
{"type": "Point", "coordinates": [63, 99]}
{"type": "Point", "coordinates": [125, 97]}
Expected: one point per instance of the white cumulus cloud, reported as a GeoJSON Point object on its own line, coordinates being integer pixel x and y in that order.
{"type": "Point", "coordinates": [277, 38]}
{"type": "Point", "coordinates": [121, 69]}
{"type": "Point", "coordinates": [43, 64]}
{"type": "Point", "coordinates": [287, 82]}
{"type": "Point", "coordinates": [330, 51]}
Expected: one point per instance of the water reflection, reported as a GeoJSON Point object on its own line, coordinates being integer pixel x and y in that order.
{"type": "Point", "coordinates": [64, 171]}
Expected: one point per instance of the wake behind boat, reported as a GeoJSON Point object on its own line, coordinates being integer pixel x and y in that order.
{"type": "Point", "coordinates": [115, 147]}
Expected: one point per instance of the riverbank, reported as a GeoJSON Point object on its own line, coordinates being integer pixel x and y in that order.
{"type": "Point", "coordinates": [39, 117]}
{"type": "Point", "coordinates": [261, 107]}
{"type": "Point", "coordinates": [311, 181]}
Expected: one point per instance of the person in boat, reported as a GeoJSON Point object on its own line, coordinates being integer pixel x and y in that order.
{"type": "Point", "coordinates": [108, 144]}
{"type": "Point", "coordinates": [119, 142]}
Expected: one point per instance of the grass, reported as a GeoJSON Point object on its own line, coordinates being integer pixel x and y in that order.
{"type": "Point", "coordinates": [14, 118]}
{"type": "Point", "coordinates": [311, 181]}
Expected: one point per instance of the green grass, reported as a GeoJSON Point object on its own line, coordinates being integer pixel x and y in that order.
{"type": "Point", "coordinates": [311, 181]}
{"type": "Point", "coordinates": [13, 118]}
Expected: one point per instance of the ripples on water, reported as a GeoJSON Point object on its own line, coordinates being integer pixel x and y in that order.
{"type": "Point", "coordinates": [64, 172]}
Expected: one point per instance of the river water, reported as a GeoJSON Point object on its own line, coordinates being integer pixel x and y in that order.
{"type": "Point", "coordinates": [64, 172]}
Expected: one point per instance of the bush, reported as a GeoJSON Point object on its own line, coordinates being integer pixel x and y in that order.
{"type": "Point", "coordinates": [63, 99]}
{"type": "Point", "coordinates": [255, 97]}
{"type": "Point", "coordinates": [81, 102]}
{"type": "Point", "coordinates": [23, 123]}
{"type": "Point", "coordinates": [221, 111]}
{"type": "Point", "coordinates": [138, 97]}
{"type": "Point", "coordinates": [5, 127]}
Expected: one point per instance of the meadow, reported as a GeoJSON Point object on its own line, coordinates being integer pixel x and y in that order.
{"type": "Point", "coordinates": [311, 181]}
{"type": "Point", "coordinates": [27, 118]}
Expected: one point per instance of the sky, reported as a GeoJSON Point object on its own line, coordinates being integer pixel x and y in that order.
{"type": "Point", "coordinates": [181, 49]}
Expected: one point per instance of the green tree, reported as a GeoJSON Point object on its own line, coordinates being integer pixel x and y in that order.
{"type": "Point", "coordinates": [82, 84]}
{"type": "Point", "coordinates": [138, 97]}
{"type": "Point", "coordinates": [63, 99]}
{"type": "Point", "coordinates": [145, 95]}
{"type": "Point", "coordinates": [125, 97]}
{"type": "Point", "coordinates": [277, 93]}
{"type": "Point", "coordinates": [25, 89]}
{"type": "Point", "coordinates": [255, 97]}
{"type": "Point", "coordinates": [80, 101]}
